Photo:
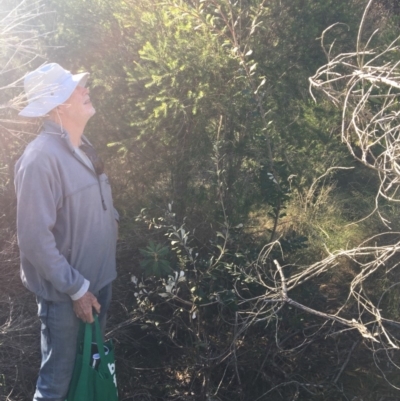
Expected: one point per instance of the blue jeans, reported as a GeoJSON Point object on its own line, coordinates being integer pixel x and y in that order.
{"type": "Point", "coordinates": [59, 334]}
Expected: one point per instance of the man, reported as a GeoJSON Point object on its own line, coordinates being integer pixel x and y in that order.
{"type": "Point", "coordinates": [66, 222]}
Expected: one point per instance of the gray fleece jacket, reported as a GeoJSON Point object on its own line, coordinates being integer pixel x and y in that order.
{"type": "Point", "coordinates": [65, 233]}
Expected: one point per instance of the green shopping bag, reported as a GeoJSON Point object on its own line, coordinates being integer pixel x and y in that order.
{"type": "Point", "coordinates": [94, 378]}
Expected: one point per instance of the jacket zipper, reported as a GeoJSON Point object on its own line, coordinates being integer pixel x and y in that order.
{"type": "Point", "coordinates": [103, 203]}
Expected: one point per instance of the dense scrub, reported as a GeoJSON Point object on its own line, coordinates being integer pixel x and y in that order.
{"type": "Point", "coordinates": [232, 184]}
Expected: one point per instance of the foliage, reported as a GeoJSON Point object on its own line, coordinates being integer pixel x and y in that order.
{"type": "Point", "coordinates": [155, 263]}
{"type": "Point", "coordinates": [204, 119]}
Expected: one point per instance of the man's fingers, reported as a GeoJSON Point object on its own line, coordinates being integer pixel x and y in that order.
{"type": "Point", "coordinates": [90, 317]}
{"type": "Point", "coordinates": [83, 307]}
{"type": "Point", "coordinates": [96, 306]}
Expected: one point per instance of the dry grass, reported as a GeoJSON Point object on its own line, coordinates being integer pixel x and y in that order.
{"type": "Point", "coordinates": [19, 334]}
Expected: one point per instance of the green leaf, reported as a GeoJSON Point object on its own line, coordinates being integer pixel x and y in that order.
{"type": "Point", "coordinates": [253, 67]}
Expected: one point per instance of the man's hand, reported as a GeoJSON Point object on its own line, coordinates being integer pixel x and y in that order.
{"type": "Point", "coordinates": [83, 307]}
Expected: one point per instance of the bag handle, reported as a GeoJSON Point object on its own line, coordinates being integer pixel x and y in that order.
{"type": "Point", "coordinates": [99, 338]}
{"type": "Point", "coordinates": [87, 345]}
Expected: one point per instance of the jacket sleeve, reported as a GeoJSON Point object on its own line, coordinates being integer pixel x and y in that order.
{"type": "Point", "coordinates": [39, 196]}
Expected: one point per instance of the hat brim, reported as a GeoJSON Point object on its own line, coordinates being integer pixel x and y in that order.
{"type": "Point", "coordinates": [44, 104]}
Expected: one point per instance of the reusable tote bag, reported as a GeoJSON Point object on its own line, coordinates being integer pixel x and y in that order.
{"type": "Point", "coordinates": [94, 378]}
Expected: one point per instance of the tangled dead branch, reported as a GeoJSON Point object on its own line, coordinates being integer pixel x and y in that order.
{"type": "Point", "coordinates": [365, 85]}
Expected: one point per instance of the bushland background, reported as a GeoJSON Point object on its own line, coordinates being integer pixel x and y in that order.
{"type": "Point", "coordinates": [258, 245]}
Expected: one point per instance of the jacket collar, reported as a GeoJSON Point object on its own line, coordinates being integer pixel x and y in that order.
{"type": "Point", "coordinates": [51, 127]}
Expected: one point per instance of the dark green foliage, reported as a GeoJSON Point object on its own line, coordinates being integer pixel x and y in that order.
{"type": "Point", "coordinates": [155, 262]}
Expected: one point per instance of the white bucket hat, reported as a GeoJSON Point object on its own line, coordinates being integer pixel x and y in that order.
{"type": "Point", "coordinates": [48, 87]}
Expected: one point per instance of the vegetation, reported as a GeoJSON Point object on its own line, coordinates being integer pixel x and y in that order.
{"type": "Point", "coordinates": [258, 240]}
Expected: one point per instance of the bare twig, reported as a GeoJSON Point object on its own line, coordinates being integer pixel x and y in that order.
{"type": "Point", "coordinates": [346, 361]}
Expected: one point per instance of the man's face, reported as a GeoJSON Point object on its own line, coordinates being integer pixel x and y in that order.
{"type": "Point", "coordinates": [78, 107]}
